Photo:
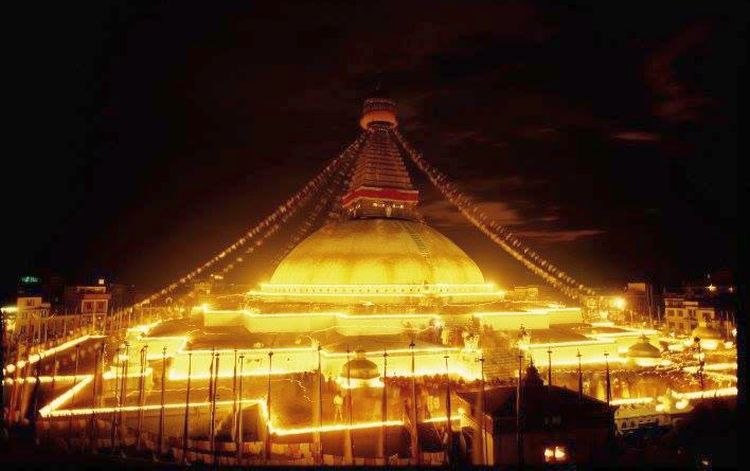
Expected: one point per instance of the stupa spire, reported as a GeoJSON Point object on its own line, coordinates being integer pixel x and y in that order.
{"type": "Point", "coordinates": [380, 184]}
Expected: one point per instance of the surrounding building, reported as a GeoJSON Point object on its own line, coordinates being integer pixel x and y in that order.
{"type": "Point", "coordinates": [684, 315]}
{"type": "Point", "coordinates": [31, 309]}
{"type": "Point", "coordinates": [89, 301]}
{"type": "Point", "coordinates": [558, 425]}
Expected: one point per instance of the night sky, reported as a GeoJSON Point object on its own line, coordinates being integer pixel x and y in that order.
{"type": "Point", "coordinates": [144, 139]}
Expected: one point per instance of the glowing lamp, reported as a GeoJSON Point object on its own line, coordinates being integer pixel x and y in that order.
{"type": "Point", "coordinates": [555, 454]}
{"type": "Point", "coordinates": [619, 303]}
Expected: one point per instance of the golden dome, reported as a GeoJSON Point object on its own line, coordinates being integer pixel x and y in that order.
{"type": "Point", "coordinates": [377, 252]}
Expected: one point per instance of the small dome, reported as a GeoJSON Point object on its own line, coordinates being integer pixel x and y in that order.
{"type": "Point", "coordinates": [643, 349]}
{"type": "Point", "coordinates": [360, 368]}
{"type": "Point", "coordinates": [705, 332]}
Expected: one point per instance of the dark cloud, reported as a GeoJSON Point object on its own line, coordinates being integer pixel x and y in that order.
{"type": "Point", "coordinates": [676, 100]}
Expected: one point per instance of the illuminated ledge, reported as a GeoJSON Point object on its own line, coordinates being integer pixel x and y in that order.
{"type": "Point", "coordinates": [339, 315]}
{"type": "Point", "coordinates": [413, 290]}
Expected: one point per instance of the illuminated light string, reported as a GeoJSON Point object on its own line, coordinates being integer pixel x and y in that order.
{"type": "Point", "coordinates": [346, 155]}
{"type": "Point", "coordinates": [331, 200]}
{"type": "Point", "coordinates": [496, 232]}
{"type": "Point", "coordinates": [291, 204]}
{"type": "Point", "coordinates": [33, 358]}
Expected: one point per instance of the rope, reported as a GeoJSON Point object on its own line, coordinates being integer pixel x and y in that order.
{"type": "Point", "coordinates": [496, 232]}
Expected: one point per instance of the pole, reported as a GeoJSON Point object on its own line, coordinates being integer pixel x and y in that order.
{"type": "Point", "coordinates": [75, 383]}
{"type": "Point", "coordinates": [123, 424]}
{"type": "Point", "coordinates": [481, 412]}
{"type": "Point", "coordinates": [384, 430]}
{"type": "Point", "coordinates": [519, 434]}
{"type": "Point", "coordinates": [580, 377]}
{"type": "Point", "coordinates": [95, 391]}
{"type": "Point", "coordinates": [161, 409]}
{"type": "Point", "coordinates": [186, 419]}
{"type": "Point", "coordinates": [141, 397]}
{"type": "Point", "coordinates": [211, 386]}
{"type": "Point", "coordinates": [449, 424]}
{"type": "Point", "coordinates": [414, 435]}
{"type": "Point", "coordinates": [609, 389]}
{"type": "Point", "coordinates": [318, 437]}
{"type": "Point", "coordinates": [349, 452]}
{"type": "Point", "coordinates": [268, 408]}
{"type": "Point", "coordinates": [213, 409]}
{"type": "Point", "coordinates": [240, 438]}
{"type": "Point", "coordinates": [549, 367]}
{"type": "Point", "coordinates": [117, 399]}
{"type": "Point", "coordinates": [701, 363]}
{"type": "Point", "coordinates": [234, 395]}
{"type": "Point", "coordinates": [54, 380]}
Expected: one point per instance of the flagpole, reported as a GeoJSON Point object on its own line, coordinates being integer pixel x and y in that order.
{"type": "Point", "coordinates": [213, 408]}
{"type": "Point", "coordinates": [519, 434]}
{"type": "Point", "coordinates": [141, 397]}
{"type": "Point", "coordinates": [385, 406]}
{"type": "Point", "coordinates": [161, 409]}
{"type": "Point", "coordinates": [415, 430]}
{"type": "Point", "coordinates": [268, 408]}
{"type": "Point", "coordinates": [186, 426]}
{"type": "Point", "coordinates": [240, 439]}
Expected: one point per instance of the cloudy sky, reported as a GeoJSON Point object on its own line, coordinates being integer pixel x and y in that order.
{"type": "Point", "coordinates": [146, 137]}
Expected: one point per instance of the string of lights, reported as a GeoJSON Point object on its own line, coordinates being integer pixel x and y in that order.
{"type": "Point", "coordinates": [289, 206]}
{"type": "Point", "coordinates": [328, 191]}
{"type": "Point", "coordinates": [330, 200]}
{"type": "Point", "coordinates": [499, 234]}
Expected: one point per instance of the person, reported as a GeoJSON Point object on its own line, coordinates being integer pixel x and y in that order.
{"type": "Point", "coordinates": [338, 406]}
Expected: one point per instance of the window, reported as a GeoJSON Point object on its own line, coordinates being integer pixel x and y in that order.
{"type": "Point", "coordinates": [100, 306]}
{"type": "Point", "coordinates": [555, 454]}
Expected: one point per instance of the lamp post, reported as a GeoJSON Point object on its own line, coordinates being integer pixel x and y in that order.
{"type": "Point", "coordinates": [268, 407]}
{"type": "Point", "coordinates": [185, 422]}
